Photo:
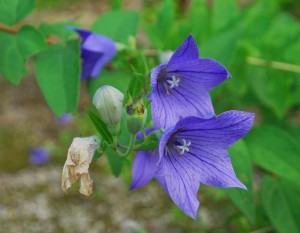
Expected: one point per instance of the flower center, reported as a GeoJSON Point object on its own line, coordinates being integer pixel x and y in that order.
{"type": "Point", "coordinates": [173, 81]}
{"type": "Point", "coordinates": [169, 82]}
{"type": "Point", "coordinates": [182, 146]}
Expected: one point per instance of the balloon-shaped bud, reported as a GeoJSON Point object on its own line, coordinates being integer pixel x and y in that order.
{"type": "Point", "coordinates": [109, 103]}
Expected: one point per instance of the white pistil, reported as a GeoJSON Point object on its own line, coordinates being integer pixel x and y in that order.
{"type": "Point", "coordinates": [184, 147]}
{"type": "Point", "coordinates": [173, 82]}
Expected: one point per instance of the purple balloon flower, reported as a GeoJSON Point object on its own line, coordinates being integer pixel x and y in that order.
{"type": "Point", "coordinates": [96, 51]}
{"type": "Point", "coordinates": [38, 156]}
{"type": "Point", "coordinates": [180, 86]}
{"type": "Point", "coordinates": [194, 151]}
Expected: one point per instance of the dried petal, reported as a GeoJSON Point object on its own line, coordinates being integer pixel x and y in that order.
{"type": "Point", "coordinates": [76, 168]}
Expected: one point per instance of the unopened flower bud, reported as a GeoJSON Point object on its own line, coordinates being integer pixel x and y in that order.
{"type": "Point", "coordinates": [109, 103]}
{"type": "Point", "coordinates": [76, 168]}
{"type": "Point", "coordinates": [165, 56]}
{"type": "Point", "coordinates": [136, 117]}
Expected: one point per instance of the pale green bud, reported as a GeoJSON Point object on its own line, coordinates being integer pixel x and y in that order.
{"type": "Point", "coordinates": [109, 103]}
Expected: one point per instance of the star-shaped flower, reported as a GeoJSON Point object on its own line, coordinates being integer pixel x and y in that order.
{"type": "Point", "coordinates": [96, 51]}
{"type": "Point", "coordinates": [194, 151]}
{"type": "Point", "coordinates": [180, 87]}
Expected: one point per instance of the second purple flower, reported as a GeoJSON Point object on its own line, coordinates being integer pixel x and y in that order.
{"type": "Point", "coordinates": [96, 52]}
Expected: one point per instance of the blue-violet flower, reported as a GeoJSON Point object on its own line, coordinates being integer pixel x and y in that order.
{"type": "Point", "coordinates": [96, 51]}
{"type": "Point", "coordinates": [38, 156]}
{"type": "Point", "coordinates": [194, 151]}
{"type": "Point", "coordinates": [180, 86]}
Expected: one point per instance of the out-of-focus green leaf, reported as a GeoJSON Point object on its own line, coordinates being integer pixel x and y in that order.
{"type": "Point", "coordinates": [161, 31]}
{"type": "Point", "coordinates": [117, 79]}
{"type": "Point", "coordinates": [273, 88]}
{"type": "Point", "coordinates": [198, 20]}
{"type": "Point", "coordinates": [30, 41]}
{"type": "Point", "coordinates": [136, 86]}
{"type": "Point", "coordinates": [284, 35]}
{"type": "Point", "coordinates": [11, 60]}
{"type": "Point", "coordinates": [117, 24]}
{"type": "Point", "coordinates": [12, 11]}
{"type": "Point", "coordinates": [221, 17]}
{"type": "Point", "coordinates": [114, 161]}
{"type": "Point", "coordinates": [258, 18]}
{"type": "Point", "coordinates": [241, 161]}
{"type": "Point", "coordinates": [278, 206]}
{"type": "Point", "coordinates": [101, 127]}
{"type": "Point", "coordinates": [15, 49]}
{"type": "Point", "coordinates": [221, 46]}
{"type": "Point", "coordinates": [58, 74]}
{"type": "Point", "coordinates": [276, 151]}
{"type": "Point", "coordinates": [57, 29]}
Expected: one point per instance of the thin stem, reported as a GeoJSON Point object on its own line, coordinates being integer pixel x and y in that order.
{"type": "Point", "coordinates": [273, 64]}
{"type": "Point", "coordinates": [130, 146]}
{"type": "Point", "coordinates": [8, 29]}
{"type": "Point", "coordinates": [12, 30]}
{"type": "Point", "coordinates": [145, 142]}
{"type": "Point", "coordinates": [264, 230]}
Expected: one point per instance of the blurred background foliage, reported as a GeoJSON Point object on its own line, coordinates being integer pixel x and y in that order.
{"type": "Point", "coordinates": [258, 42]}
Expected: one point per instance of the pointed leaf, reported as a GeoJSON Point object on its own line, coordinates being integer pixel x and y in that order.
{"type": "Point", "coordinates": [241, 161]}
{"type": "Point", "coordinates": [278, 207]}
{"type": "Point", "coordinates": [101, 127]}
{"type": "Point", "coordinates": [12, 11]}
{"type": "Point", "coordinates": [122, 24]}
{"type": "Point", "coordinates": [114, 161]}
{"type": "Point", "coordinates": [30, 41]}
{"type": "Point", "coordinates": [57, 72]}
{"type": "Point", "coordinates": [276, 151]}
{"type": "Point", "coordinates": [11, 60]}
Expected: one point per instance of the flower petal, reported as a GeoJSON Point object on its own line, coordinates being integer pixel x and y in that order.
{"type": "Point", "coordinates": [212, 166]}
{"type": "Point", "coordinates": [144, 168]}
{"type": "Point", "coordinates": [186, 100]}
{"type": "Point", "coordinates": [218, 132]}
{"type": "Point", "coordinates": [96, 51]}
{"type": "Point", "coordinates": [90, 60]}
{"type": "Point", "coordinates": [204, 73]}
{"type": "Point", "coordinates": [182, 184]}
{"type": "Point", "coordinates": [83, 33]}
{"type": "Point", "coordinates": [187, 50]}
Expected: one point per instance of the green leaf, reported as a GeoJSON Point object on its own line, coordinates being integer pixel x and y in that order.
{"type": "Point", "coordinates": [136, 86]}
{"type": "Point", "coordinates": [30, 41]}
{"type": "Point", "coordinates": [197, 21]}
{"type": "Point", "coordinates": [241, 161]}
{"type": "Point", "coordinates": [114, 161]}
{"type": "Point", "coordinates": [122, 24]}
{"type": "Point", "coordinates": [276, 151]}
{"type": "Point", "coordinates": [221, 19]}
{"type": "Point", "coordinates": [58, 74]}
{"type": "Point", "coordinates": [11, 60]}
{"type": "Point", "coordinates": [278, 206]}
{"type": "Point", "coordinates": [101, 127]}
{"type": "Point", "coordinates": [58, 29]}
{"type": "Point", "coordinates": [272, 88]}
{"type": "Point", "coordinates": [221, 46]}
{"type": "Point", "coordinates": [12, 11]}
{"type": "Point", "coordinates": [97, 155]}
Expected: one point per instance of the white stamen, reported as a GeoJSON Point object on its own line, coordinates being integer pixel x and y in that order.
{"type": "Point", "coordinates": [184, 147]}
{"type": "Point", "coordinates": [174, 82]}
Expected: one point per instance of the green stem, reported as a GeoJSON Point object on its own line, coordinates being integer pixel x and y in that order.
{"type": "Point", "coordinates": [130, 146]}
{"type": "Point", "coordinates": [273, 64]}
